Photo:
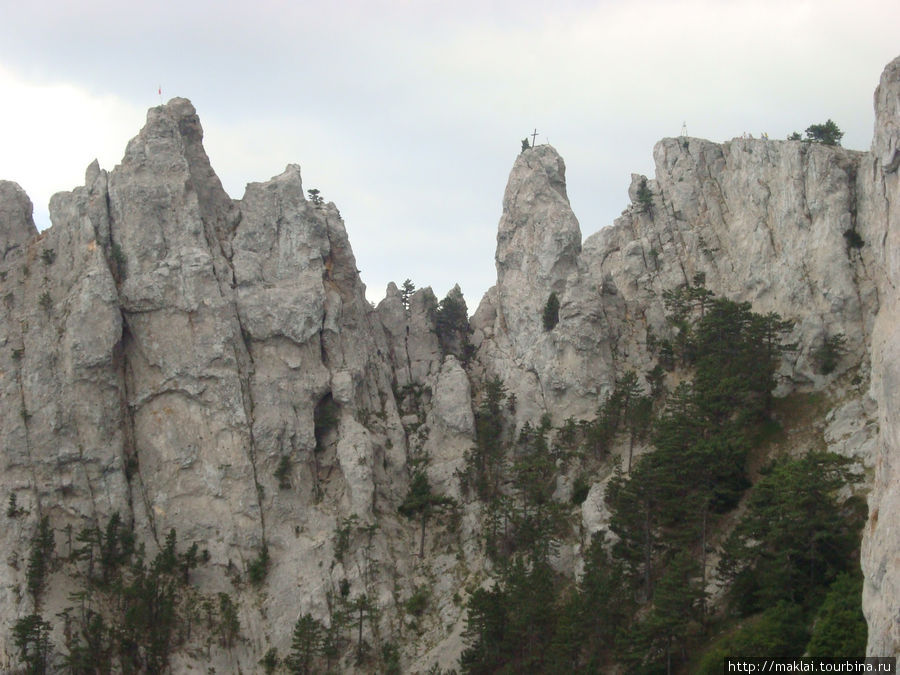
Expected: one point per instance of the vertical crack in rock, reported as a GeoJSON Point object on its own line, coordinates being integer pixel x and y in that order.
{"type": "Point", "coordinates": [131, 461]}
{"type": "Point", "coordinates": [23, 411]}
{"type": "Point", "coordinates": [246, 369]}
{"type": "Point", "coordinates": [224, 329]}
{"type": "Point", "coordinates": [220, 218]}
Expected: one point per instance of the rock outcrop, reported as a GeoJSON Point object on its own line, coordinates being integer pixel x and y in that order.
{"type": "Point", "coordinates": [16, 224]}
{"type": "Point", "coordinates": [166, 347]}
{"type": "Point", "coordinates": [804, 230]}
{"type": "Point", "coordinates": [209, 365]}
{"type": "Point", "coordinates": [881, 214]}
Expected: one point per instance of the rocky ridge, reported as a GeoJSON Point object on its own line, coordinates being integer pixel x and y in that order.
{"type": "Point", "coordinates": [165, 350]}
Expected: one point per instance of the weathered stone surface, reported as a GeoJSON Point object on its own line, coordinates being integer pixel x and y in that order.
{"type": "Point", "coordinates": [61, 387]}
{"type": "Point", "coordinates": [451, 424]}
{"type": "Point", "coordinates": [880, 184]}
{"type": "Point", "coordinates": [768, 222]}
{"type": "Point", "coordinates": [166, 350]}
{"type": "Point", "coordinates": [16, 223]}
{"type": "Point", "coordinates": [538, 247]}
{"type": "Point", "coordinates": [166, 346]}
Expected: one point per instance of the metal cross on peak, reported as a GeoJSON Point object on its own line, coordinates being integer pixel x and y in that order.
{"type": "Point", "coordinates": [533, 137]}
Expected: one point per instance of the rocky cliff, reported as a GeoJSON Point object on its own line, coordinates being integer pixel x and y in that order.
{"type": "Point", "coordinates": [209, 365]}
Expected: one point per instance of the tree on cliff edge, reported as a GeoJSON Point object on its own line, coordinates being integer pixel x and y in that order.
{"type": "Point", "coordinates": [826, 134]}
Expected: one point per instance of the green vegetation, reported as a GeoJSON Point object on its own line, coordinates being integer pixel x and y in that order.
{"type": "Point", "coordinates": [840, 628]}
{"type": "Point", "coordinates": [641, 602]}
{"type": "Point", "coordinates": [48, 255]}
{"type": "Point", "coordinates": [853, 239]}
{"type": "Point", "coordinates": [258, 568]}
{"type": "Point", "coordinates": [315, 197]}
{"type": "Point", "coordinates": [120, 262]}
{"type": "Point", "coordinates": [307, 645]}
{"type": "Point", "coordinates": [795, 536]}
{"type": "Point", "coordinates": [228, 627]}
{"type": "Point", "coordinates": [580, 490]}
{"type": "Point", "coordinates": [283, 473]}
{"type": "Point", "coordinates": [645, 198]}
{"type": "Point", "coordinates": [785, 557]}
{"type": "Point", "coordinates": [550, 316]}
{"type": "Point", "coordinates": [128, 614]}
{"type": "Point", "coordinates": [45, 301]}
{"type": "Point", "coordinates": [40, 559]}
{"type": "Point", "coordinates": [485, 461]}
{"type": "Point", "coordinates": [827, 133]}
{"type": "Point", "coordinates": [779, 632]}
{"type": "Point", "coordinates": [270, 661]}
{"type": "Point", "coordinates": [31, 636]}
{"type": "Point", "coordinates": [451, 324]}
{"type": "Point", "coordinates": [342, 537]}
{"type": "Point", "coordinates": [828, 355]}
{"type": "Point", "coordinates": [421, 502]}
{"type": "Point", "coordinates": [12, 507]}
{"type": "Point", "coordinates": [417, 602]}
{"type": "Point", "coordinates": [406, 291]}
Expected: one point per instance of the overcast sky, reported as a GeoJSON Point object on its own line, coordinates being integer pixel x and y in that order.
{"type": "Point", "coordinates": [409, 114]}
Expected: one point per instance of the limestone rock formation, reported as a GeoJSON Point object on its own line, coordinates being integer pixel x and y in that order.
{"type": "Point", "coordinates": [209, 365]}
{"type": "Point", "coordinates": [16, 224]}
{"type": "Point", "coordinates": [166, 347]}
{"type": "Point", "coordinates": [881, 540]}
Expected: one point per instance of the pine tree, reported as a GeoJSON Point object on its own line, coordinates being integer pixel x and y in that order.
{"type": "Point", "coordinates": [422, 502]}
{"type": "Point", "coordinates": [40, 559]}
{"type": "Point", "coordinates": [677, 599]}
{"type": "Point", "coordinates": [31, 635]}
{"type": "Point", "coordinates": [451, 323]}
{"type": "Point", "coordinates": [606, 603]}
{"type": "Point", "coordinates": [306, 645]}
{"type": "Point", "coordinates": [485, 462]}
{"type": "Point", "coordinates": [826, 133]}
{"type": "Point", "coordinates": [638, 504]}
{"type": "Point", "coordinates": [795, 536]}
{"type": "Point", "coordinates": [840, 629]}
{"type": "Point", "coordinates": [406, 291]}
{"type": "Point", "coordinates": [485, 632]}
{"type": "Point", "coordinates": [536, 519]}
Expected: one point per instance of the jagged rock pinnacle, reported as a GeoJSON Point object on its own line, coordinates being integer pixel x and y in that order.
{"type": "Point", "coordinates": [16, 221]}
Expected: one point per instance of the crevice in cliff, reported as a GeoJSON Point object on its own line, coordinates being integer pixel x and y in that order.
{"type": "Point", "coordinates": [23, 411]}
{"type": "Point", "coordinates": [328, 280]}
{"type": "Point", "coordinates": [406, 349]}
{"type": "Point", "coordinates": [855, 254]}
{"type": "Point", "coordinates": [116, 265]}
{"type": "Point", "coordinates": [767, 221]}
{"type": "Point", "coordinates": [131, 464]}
{"type": "Point", "coordinates": [90, 486]}
{"type": "Point", "coordinates": [246, 370]}
{"type": "Point", "coordinates": [225, 279]}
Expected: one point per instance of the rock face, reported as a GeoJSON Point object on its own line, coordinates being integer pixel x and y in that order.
{"type": "Point", "coordinates": [166, 347]}
{"type": "Point", "coordinates": [212, 366]}
{"type": "Point", "coordinates": [804, 230]}
{"type": "Point", "coordinates": [16, 224]}
{"type": "Point", "coordinates": [881, 538]}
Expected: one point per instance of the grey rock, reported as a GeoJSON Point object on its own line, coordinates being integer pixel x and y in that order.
{"type": "Point", "coordinates": [880, 229]}
{"type": "Point", "coordinates": [164, 349]}
{"type": "Point", "coordinates": [16, 222]}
